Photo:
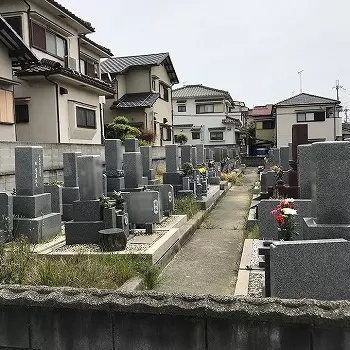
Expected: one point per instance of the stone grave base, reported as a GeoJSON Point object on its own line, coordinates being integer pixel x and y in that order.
{"type": "Point", "coordinates": [152, 247]}
{"type": "Point", "coordinates": [312, 230]}
{"type": "Point", "coordinates": [214, 180]}
{"type": "Point", "coordinates": [252, 219]}
{"type": "Point", "coordinates": [38, 229]}
{"type": "Point", "coordinates": [212, 196]}
{"type": "Point", "coordinates": [83, 232]}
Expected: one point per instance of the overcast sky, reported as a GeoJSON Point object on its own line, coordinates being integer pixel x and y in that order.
{"type": "Point", "coordinates": [252, 48]}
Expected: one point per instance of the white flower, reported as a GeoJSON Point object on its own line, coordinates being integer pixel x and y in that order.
{"type": "Point", "coordinates": [289, 211]}
{"type": "Point", "coordinates": [290, 200]}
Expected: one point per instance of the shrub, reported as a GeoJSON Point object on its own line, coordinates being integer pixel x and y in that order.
{"type": "Point", "coordinates": [187, 169]}
{"type": "Point", "coordinates": [148, 136]}
{"type": "Point", "coordinates": [181, 138]}
{"type": "Point", "coordinates": [120, 129]}
{"type": "Point", "coordinates": [186, 206]}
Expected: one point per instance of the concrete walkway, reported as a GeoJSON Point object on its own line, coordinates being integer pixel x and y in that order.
{"type": "Point", "coordinates": [209, 262]}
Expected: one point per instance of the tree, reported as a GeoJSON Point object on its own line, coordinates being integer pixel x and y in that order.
{"type": "Point", "coordinates": [121, 129]}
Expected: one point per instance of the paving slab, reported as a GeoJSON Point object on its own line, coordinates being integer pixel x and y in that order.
{"type": "Point", "coordinates": [209, 262]}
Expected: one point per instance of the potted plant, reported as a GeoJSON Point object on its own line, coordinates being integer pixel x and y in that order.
{"type": "Point", "coordinates": [284, 214]}
{"type": "Point", "coordinates": [187, 169]}
{"type": "Point", "coordinates": [119, 201]}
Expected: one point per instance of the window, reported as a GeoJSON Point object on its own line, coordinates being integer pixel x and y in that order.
{"type": "Point", "coordinates": [154, 84]}
{"type": "Point", "coordinates": [6, 107]}
{"type": "Point", "coordinates": [196, 135]}
{"type": "Point", "coordinates": [48, 41]}
{"type": "Point", "coordinates": [22, 113]}
{"type": "Point", "coordinates": [164, 92]}
{"type": "Point", "coordinates": [181, 108]}
{"type": "Point", "coordinates": [268, 124]}
{"type": "Point", "coordinates": [204, 108]}
{"type": "Point", "coordinates": [16, 23]}
{"type": "Point", "coordinates": [216, 136]}
{"type": "Point", "coordinates": [311, 117]}
{"type": "Point", "coordinates": [89, 68]}
{"type": "Point", "coordinates": [86, 118]}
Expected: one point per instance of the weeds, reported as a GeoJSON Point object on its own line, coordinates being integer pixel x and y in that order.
{"type": "Point", "coordinates": [186, 206]}
{"type": "Point", "coordinates": [234, 177]}
{"type": "Point", "coordinates": [19, 265]}
{"type": "Point", "coordinates": [160, 170]}
{"type": "Point", "coordinates": [253, 233]}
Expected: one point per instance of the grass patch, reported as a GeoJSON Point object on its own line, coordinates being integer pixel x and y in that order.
{"type": "Point", "coordinates": [186, 206]}
{"type": "Point", "coordinates": [19, 265]}
{"type": "Point", "coordinates": [253, 233]}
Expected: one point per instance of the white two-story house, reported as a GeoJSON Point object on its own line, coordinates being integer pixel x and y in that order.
{"type": "Point", "coordinates": [207, 115]}
{"type": "Point", "coordinates": [144, 92]}
{"type": "Point", "coordinates": [321, 114]}
{"type": "Point", "coordinates": [60, 99]}
{"type": "Point", "coordinates": [13, 53]}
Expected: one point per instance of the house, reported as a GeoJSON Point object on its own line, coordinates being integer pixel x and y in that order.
{"type": "Point", "coordinates": [208, 115]}
{"type": "Point", "coordinates": [320, 113]}
{"type": "Point", "coordinates": [264, 120]}
{"type": "Point", "coordinates": [13, 52]}
{"type": "Point", "coordinates": [60, 98]}
{"type": "Point", "coordinates": [144, 92]}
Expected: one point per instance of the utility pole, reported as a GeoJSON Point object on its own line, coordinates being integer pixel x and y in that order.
{"type": "Point", "coordinates": [346, 114]}
{"type": "Point", "coordinates": [301, 85]}
{"type": "Point", "coordinates": [338, 87]}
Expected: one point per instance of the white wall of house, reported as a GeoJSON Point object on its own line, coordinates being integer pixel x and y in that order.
{"type": "Point", "coordinates": [137, 80]}
{"type": "Point", "coordinates": [42, 126]}
{"type": "Point", "coordinates": [287, 116]}
{"type": "Point", "coordinates": [5, 63]}
{"type": "Point", "coordinates": [208, 122]}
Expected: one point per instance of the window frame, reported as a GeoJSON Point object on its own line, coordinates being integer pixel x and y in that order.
{"type": "Point", "coordinates": [51, 32]}
{"type": "Point", "coordinates": [216, 132]}
{"type": "Point", "coordinates": [85, 125]}
{"type": "Point", "coordinates": [181, 107]}
{"type": "Point", "coordinates": [7, 107]}
{"type": "Point", "coordinates": [22, 120]}
{"type": "Point", "coordinates": [302, 116]}
{"type": "Point", "coordinates": [20, 21]}
{"type": "Point", "coordinates": [198, 106]}
{"type": "Point", "coordinates": [164, 95]}
{"type": "Point", "coordinates": [198, 133]}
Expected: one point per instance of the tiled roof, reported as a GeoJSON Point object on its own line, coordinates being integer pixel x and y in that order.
{"type": "Point", "coordinates": [102, 48]}
{"type": "Point", "coordinates": [306, 99]}
{"type": "Point", "coordinates": [47, 67]}
{"type": "Point", "coordinates": [199, 90]}
{"type": "Point", "coordinates": [262, 111]}
{"type": "Point", "coordinates": [86, 24]}
{"type": "Point", "coordinates": [119, 65]}
{"type": "Point", "coordinates": [143, 99]}
{"type": "Point", "coordinates": [20, 53]}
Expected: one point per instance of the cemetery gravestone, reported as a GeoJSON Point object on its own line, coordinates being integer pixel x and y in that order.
{"type": "Point", "coordinates": [316, 269]}
{"type": "Point", "coordinates": [200, 154]}
{"type": "Point", "coordinates": [31, 206]}
{"type": "Point", "coordinates": [304, 171]}
{"type": "Point", "coordinates": [186, 154]}
{"type": "Point", "coordinates": [284, 157]}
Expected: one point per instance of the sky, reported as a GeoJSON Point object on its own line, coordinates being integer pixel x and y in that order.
{"type": "Point", "coordinates": [251, 48]}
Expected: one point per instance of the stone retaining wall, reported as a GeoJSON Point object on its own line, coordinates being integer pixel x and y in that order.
{"type": "Point", "coordinates": [63, 318]}
{"type": "Point", "coordinates": [53, 159]}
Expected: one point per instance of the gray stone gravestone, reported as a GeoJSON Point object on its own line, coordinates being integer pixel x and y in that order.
{"type": "Point", "coordinates": [172, 160]}
{"type": "Point", "coordinates": [31, 206]}
{"type": "Point", "coordinates": [284, 157]}
{"type": "Point", "coordinates": [131, 145]}
{"type": "Point", "coordinates": [217, 154]}
{"type": "Point", "coordinates": [166, 193]}
{"type": "Point", "coordinates": [310, 269]}
{"type": "Point", "coordinates": [200, 154]}
{"type": "Point", "coordinates": [114, 157]}
{"type": "Point", "coordinates": [6, 217]}
{"type": "Point", "coordinates": [133, 170]}
{"type": "Point", "coordinates": [305, 171]}
{"type": "Point", "coordinates": [186, 154]}
{"type": "Point", "coordinates": [70, 191]}
{"type": "Point", "coordinates": [148, 172]}
{"type": "Point", "coordinates": [194, 157]}
{"type": "Point", "coordinates": [143, 207]}
{"type": "Point", "coordinates": [331, 161]}
{"type": "Point", "coordinates": [224, 152]}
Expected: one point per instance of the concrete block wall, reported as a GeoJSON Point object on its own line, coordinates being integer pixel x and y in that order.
{"type": "Point", "coordinates": [53, 159]}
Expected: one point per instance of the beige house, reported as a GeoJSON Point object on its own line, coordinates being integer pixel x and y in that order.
{"type": "Point", "coordinates": [144, 92]}
{"type": "Point", "coordinates": [264, 119]}
{"type": "Point", "coordinates": [60, 99]}
{"type": "Point", "coordinates": [13, 52]}
{"type": "Point", "coordinates": [320, 113]}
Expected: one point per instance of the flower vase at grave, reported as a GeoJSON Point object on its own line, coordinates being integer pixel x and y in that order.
{"type": "Point", "coordinates": [283, 234]}
{"type": "Point", "coordinates": [280, 188]}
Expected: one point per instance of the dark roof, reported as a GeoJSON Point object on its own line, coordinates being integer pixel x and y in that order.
{"type": "Point", "coordinates": [119, 65]}
{"type": "Point", "coordinates": [199, 90]}
{"type": "Point", "coordinates": [47, 67]}
{"type": "Point", "coordinates": [102, 48]}
{"type": "Point", "coordinates": [262, 111]}
{"type": "Point", "coordinates": [86, 24]}
{"type": "Point", "coordinates": [306, 99]}
{"type": "Point", "coordinates": [142, 99]}
{"type": "Point", "coordinates": [19, 52]}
